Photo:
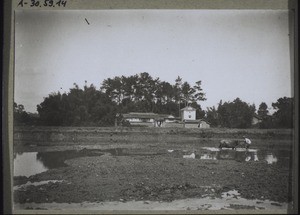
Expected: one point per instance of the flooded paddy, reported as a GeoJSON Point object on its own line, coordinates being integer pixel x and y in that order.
{"type": "Point", "coordinates": [193, 174]}
{"type": "Point", "coordinates": [31, 163]}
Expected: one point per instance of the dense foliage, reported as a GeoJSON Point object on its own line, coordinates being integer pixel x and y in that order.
{"type": "Point", "coordinates": [79, 107]}
{"type": "Point", "coordinates": [21, 117]}
{"type": "Point", "coordinates": [118, 95]}
{"type": "Point", "coordinates": [236, 114]}
{"type": "Point", "coordinates": [142, 93]}
{"type": "Point", "coordinates": [263, 113]}
{"type": "Point", "coordinates": [284, 115]}
{"type": "Point", "coordinates": [239, 114]}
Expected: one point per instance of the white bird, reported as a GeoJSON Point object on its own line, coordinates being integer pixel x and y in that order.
{"type": "Point", "coordinates": [190, 156]}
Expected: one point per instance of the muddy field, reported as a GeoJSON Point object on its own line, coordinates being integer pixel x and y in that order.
{"type": "Point", "coordinates": [75, 167]}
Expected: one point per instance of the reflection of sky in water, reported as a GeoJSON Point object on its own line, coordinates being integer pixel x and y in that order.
{"type": "Point", "coordinates": [26, 164]}
{"type": "Point", "coordinates": [208, 157]}
{"type": "Point", "coordinates": [215, 149]}
{"type": "Point", "coordinates": [241, 154]}
{"type": "Point", "coordinates": [248, 158]}
{"type": "Point", "coordinates": [31, 163]}
{"type": "Point", "coordinates": [270, 158]}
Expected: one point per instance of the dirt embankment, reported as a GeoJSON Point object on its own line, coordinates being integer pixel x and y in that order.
{"type": "Point", "coordinates": [92, 135]}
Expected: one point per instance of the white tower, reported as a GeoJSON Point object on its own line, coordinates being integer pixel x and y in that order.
{"type": "Point", "coordinates": [188, 113]}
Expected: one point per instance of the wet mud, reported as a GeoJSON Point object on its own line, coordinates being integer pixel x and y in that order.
{"type": "Point", "coordinates": [156, 172]}
{"type": "Point", "coordinates": [229, 201]}
{"type": "Point", "coordinates": [156, 177]}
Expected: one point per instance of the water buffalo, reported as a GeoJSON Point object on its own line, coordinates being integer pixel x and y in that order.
{"type": "Point", "coordinates": [229, 144]}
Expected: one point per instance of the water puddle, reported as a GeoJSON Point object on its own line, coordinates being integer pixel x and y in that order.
{"type": "Point", "coordinates": [231, 193]}
{"type": "Point", "coordinates": [215, 149]}
{"type": "Point", "coordinates": [24, 186]}
{"type": "Point", "coordinates": [31, 163]}
{"type": "Point", "coordinates": [27, 164]}
{"type": "Point", "coordinates": [240, 155]}
{"type": "Point", "coordinates": [245, 155]}
{"type": "Point", "coordinates": [230, 200]}
{"type": "Point", "coordinates": [207, 157]}
{"type": "Point", "coordinates": [270, 158]}
{"type": "Point", "coordinates": [191, 156]}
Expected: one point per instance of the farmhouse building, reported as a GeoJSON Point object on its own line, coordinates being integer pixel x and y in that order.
{"type": "Point", "coordinates": [140, 117]}
{"type": "Point", "coordinates": [204, 124]}
{"type": "Point", "coordinates": [148, 119]}
{"type": "Point", "coordinates": [187, 119]}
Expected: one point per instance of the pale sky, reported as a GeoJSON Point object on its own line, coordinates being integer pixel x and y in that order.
{"type": "Point", "coordinates": [235, 53]}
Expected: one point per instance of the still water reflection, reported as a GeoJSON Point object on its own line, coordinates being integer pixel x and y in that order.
{"type": "Point", "coordinates": [31, 163]}
{"type": "Point", "coordinates": [270, 158]}
{"type": "Point", "coordinates": [27, 164]}
{"type": "Point", "coordinates": [243, 155]}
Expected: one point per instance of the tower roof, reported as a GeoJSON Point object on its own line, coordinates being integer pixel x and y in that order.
{"type": "Point", "coordinates": [188, 108]}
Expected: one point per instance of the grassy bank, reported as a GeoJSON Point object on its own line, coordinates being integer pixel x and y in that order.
{"type": "Point", "coordinates": [98, 135]}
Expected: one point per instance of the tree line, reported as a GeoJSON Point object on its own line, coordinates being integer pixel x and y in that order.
{"type": "Point", "coordinates": [239, 114]}
{"type": "Point", "coordinates": [89, 106]}
{"type": "Point", "coordinates": [143, 93]}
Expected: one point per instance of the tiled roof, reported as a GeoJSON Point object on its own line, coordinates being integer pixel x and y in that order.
{"type": "Point", "coordinates": [140, 115]}
{"type": "Point", "coordinates": [147, 115]}
{"type": "Point", "coordinates": [188, 108]}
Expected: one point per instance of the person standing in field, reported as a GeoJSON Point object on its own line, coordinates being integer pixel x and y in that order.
{"type": "Point", "coordinates": [247, 142]}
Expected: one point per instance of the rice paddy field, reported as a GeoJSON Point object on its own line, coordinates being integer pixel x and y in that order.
{"type": "Point", "coordinates": [142, 169]}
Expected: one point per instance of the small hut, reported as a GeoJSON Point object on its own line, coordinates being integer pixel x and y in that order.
{"type": "Point", "coordinates": [203, 124]}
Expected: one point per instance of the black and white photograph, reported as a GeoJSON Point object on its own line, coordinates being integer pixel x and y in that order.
{"type": "Point", "coordinates": [153, 110]}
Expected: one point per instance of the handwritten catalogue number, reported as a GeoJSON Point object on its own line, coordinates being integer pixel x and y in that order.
{"type": "Point", "coordinates": [42, 3]}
